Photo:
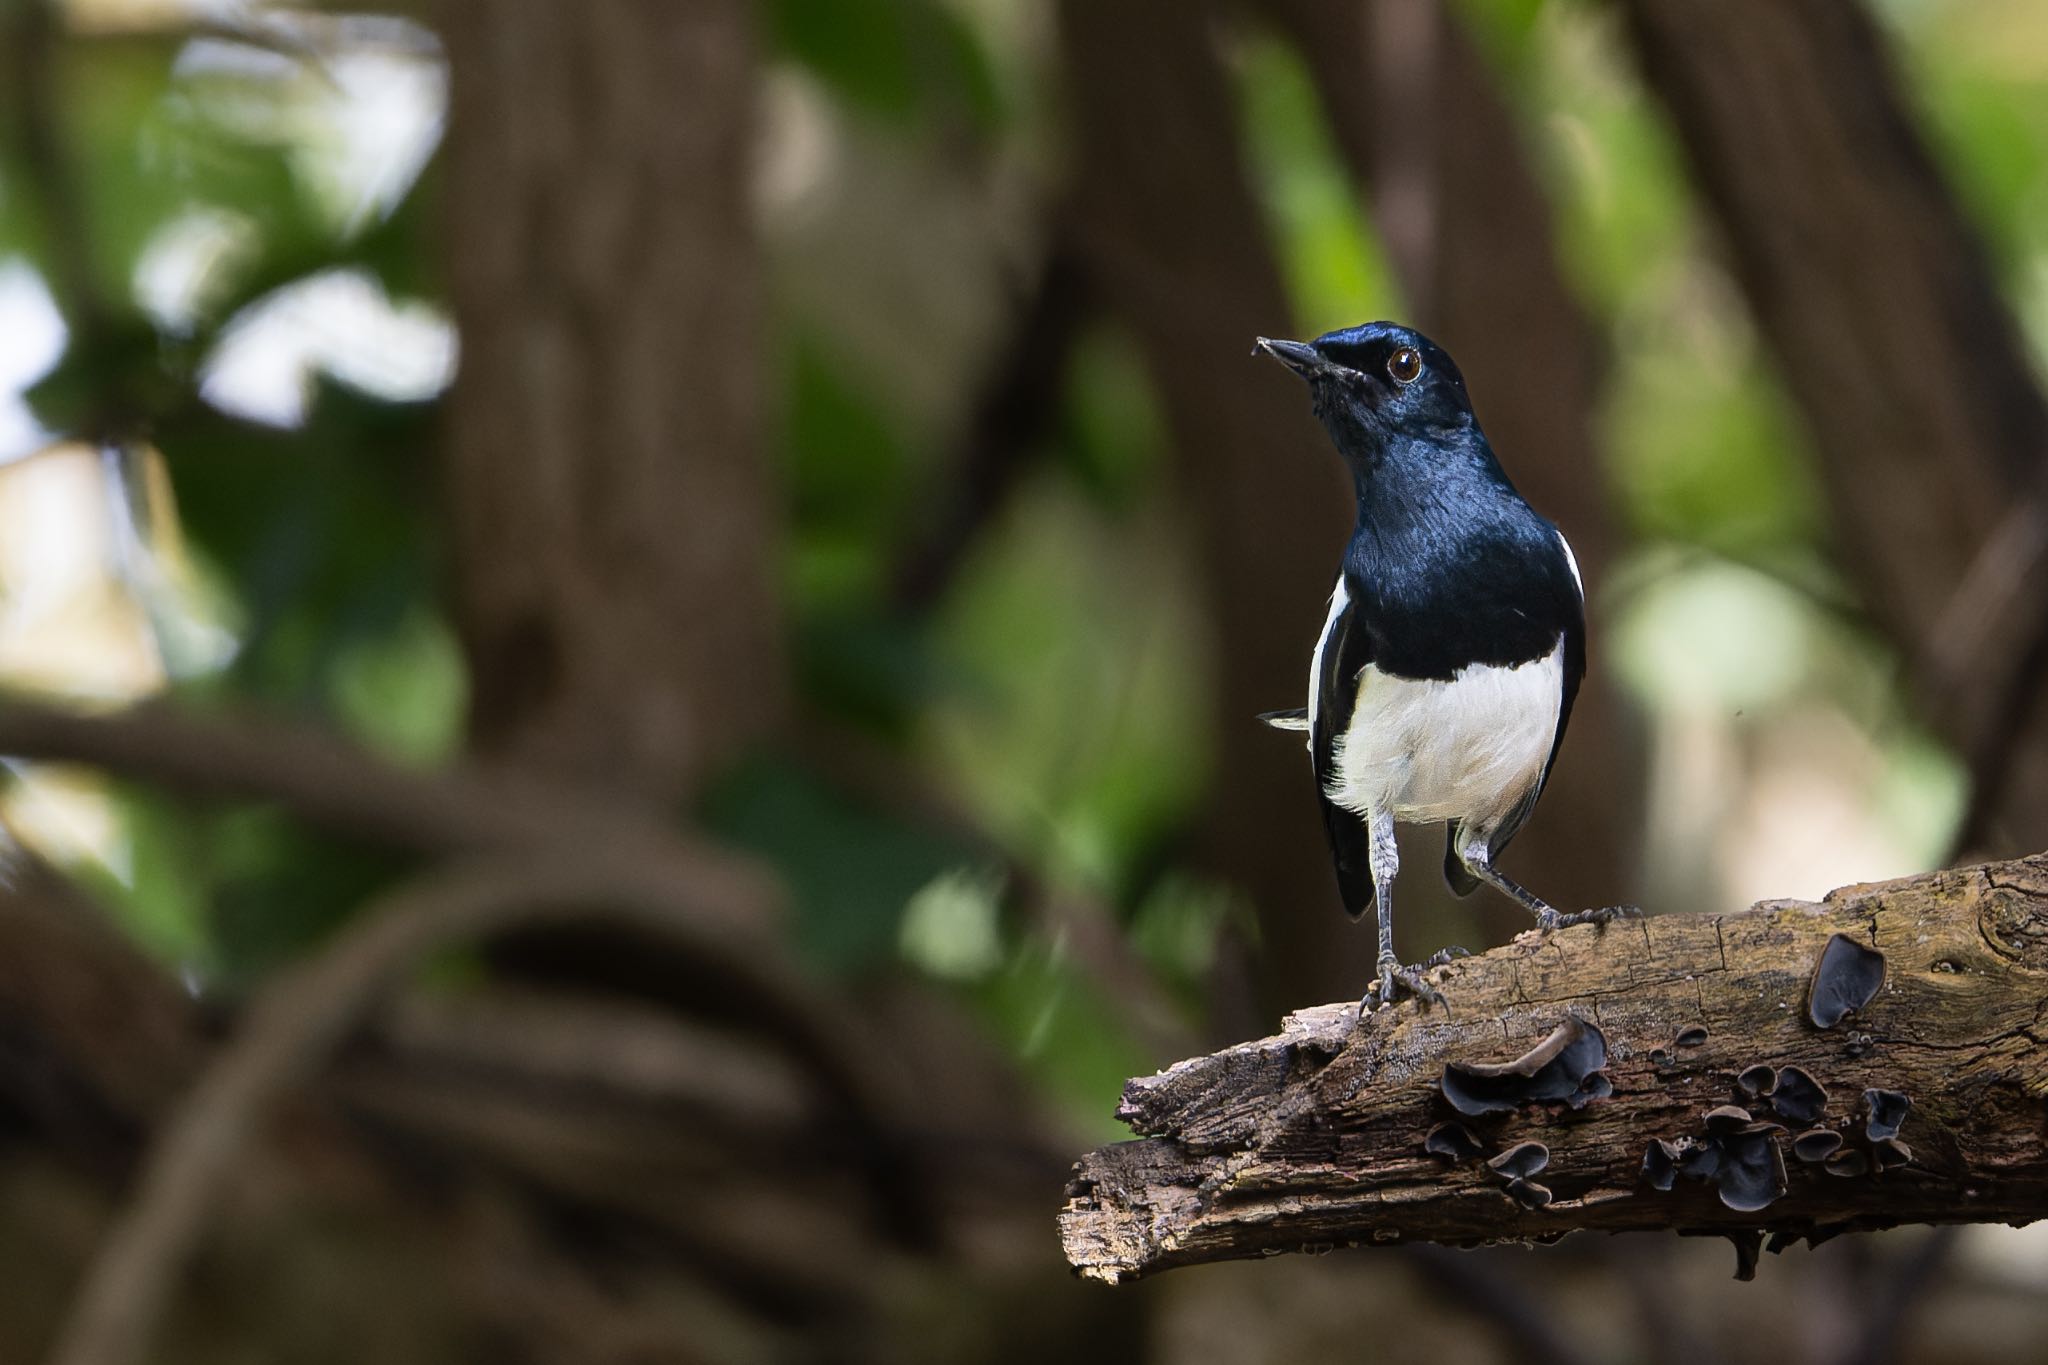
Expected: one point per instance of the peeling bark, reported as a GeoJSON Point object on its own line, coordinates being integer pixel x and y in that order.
{"type": "Point", "coordinates": [1314, 1138]}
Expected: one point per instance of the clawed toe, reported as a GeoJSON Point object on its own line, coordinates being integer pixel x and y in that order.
{"type": "Point", "coordinates": [1397, 980]}
{"type": "Point", "coordinates": [1444, 956]}
{"type": "Point", "coordinates": [1606, 914]}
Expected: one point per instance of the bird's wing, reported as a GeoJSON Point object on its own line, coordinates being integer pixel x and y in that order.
{"type": "Point", "coordinates": [1341, 654]}
{"type": "Point", "coordinates": [1574, 669]}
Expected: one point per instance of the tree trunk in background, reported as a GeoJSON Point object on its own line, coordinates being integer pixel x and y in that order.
{"type": "Point", "coordinates": [611, 513]}
{"type": "Point", "coordinates": [1469, 231]}
{"type": "Point", "coordinates": [1164, 211]}
{"type": "Point", "coordinates": [1886, 320]}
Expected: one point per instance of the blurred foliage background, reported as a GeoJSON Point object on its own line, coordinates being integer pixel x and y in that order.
{"type": "Point", "coordinates": [971, 671]}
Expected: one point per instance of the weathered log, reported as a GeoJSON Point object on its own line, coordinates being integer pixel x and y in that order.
{"type": "Point", "coordinates": [1316, 1138]}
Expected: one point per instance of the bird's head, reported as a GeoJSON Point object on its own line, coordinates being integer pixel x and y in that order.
{"type": "Point", "coordinates": [1377, 383]}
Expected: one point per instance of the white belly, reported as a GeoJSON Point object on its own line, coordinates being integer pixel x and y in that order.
{"type": "Point", "coordinates": [1468, 749]}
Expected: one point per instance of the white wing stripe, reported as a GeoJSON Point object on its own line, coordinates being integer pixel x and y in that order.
{"type": "Point", "coordinates": [1339, 600]}
{"type": "Point", "coordinates": [1572, 560]}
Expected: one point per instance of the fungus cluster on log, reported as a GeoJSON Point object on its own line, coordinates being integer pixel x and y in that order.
{"type": "Point", "coordinates": [1664, 1073]}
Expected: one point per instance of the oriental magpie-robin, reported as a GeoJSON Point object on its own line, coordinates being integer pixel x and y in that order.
{"type": "Point", "coordinates": [1455, 638]}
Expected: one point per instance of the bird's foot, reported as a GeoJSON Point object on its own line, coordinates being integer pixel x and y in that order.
{"type": "Point", "coordinates": [1395, 978]}
{"type": "Point", "coordinates": [1548, 919]}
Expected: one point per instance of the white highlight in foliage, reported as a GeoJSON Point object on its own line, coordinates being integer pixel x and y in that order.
{"type": "Point", "coordinates": [32, 337]}
{"type": "Point", "coordinates": [341, 322]}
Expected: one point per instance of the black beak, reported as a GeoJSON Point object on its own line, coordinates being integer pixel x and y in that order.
{"type": "Point", "coordinates": [1298, 356]}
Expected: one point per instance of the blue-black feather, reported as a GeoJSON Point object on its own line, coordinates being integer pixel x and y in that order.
{"type": "Point", "coordinates": [1447, 566]}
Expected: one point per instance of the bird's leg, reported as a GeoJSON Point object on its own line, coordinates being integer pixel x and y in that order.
{"type": "Point", "coordinates": [1478, 859]}
{"type": "Point", "coordinates": [1384, 856]}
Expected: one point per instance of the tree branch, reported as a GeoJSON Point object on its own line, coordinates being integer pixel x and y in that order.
{"type": "Point", "coordinates": [1315, 1137]}
{"type": "Point", "coordinates": [300, 1018]}
{"type": "Point", "coordinates": [331, 783]}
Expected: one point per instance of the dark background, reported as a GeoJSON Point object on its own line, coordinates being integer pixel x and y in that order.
{"type": "Point", "coordinates": [836, 589]}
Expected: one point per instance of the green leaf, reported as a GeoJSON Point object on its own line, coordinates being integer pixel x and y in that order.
{"type": "Point", "coordinates": [324, 535]}
{"type": "Point", "coordinates": [1336, 273]}
{"type": "Point", "coordinates": [1071, 1039]}
{"type": "Point", "coordinates": [850, 869]}
{"type": "Point", "coordinates": [903, 60]}
{"type": "Point", "coordinates": [871, 668]}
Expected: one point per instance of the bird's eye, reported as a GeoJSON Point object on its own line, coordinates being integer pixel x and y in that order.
{"type": "Point", "coordinates": [1405, 365]}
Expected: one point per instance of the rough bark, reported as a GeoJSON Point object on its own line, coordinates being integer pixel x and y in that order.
{"type": "Point", "coordinates": [610, 511]}
{"type": "Point", "coordinates": [1468, 230]}
{"type": "Point", "coordinates": [1171, 230]}
{"type": "Point", "coordinates": [1314, 1138]}
{"type": "Point", "coordinates": [1886, 322]}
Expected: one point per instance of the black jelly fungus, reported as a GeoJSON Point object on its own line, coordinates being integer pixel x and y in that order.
{"type": "Point", "coordinates": [1452, 1141]}
{"type": "Point", "coordinates": [1799, 1097]}
{"type": "Point", "coordinates": [1597, 1086]}
{"type": "Point", "coordinates": [1816, 1144]}
{"type": "Point", "coordinates": [1728, 1118]}
{"type": "Point", "coordinates": [1849, 1162]}
{"type": "Point", "coordinates": [1660, 1164]}
{"type": "Point", "coordinates": [1760, 1079]}
{"type": "Point", "coordinates": [1752, 1173]}
{"type": "Point", "coordinates": [1845, 979]}
{"type": "Point", "coordinates": [1522, 1160]}
{"type": "Point", "coordinates": [1887, 1111]}
{"type": "Point", "coordinates": [1555, 1069]}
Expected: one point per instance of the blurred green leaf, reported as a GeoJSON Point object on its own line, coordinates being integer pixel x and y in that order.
{"type": "Point", "coordinates": [1176, 926]}
{"type": "Point", "coordinates": [846, 469]}
{"type": "Point", "coordinates": [850, 869]}
{"type": "Point", "coordinates": [278, 889]}
{"type": "Point", "coordinates": [404, 692]}
{"type": "Point", "coordinates": [1336, 275]}
{"type": "Point", "coordinates": [113, 381]}
{"type": "Point", "coordinates": [1113, 438]}
{"type": "Point", "coordinates": [324, 534]}
{"type": "Point", "coordinates": [1703, 449]}
{"type": "Point", "coordinates": [952, 927]}
{"type": "Point", "coordinates": [161, 895]}
{"type": "Point", "coordinates": [1079, 735]}
{"type": "Point", "coordinates": [1069, 1038]}
{"type": "Point", "coordinates": [229, 895]}
{"type": "Point", "coordinates": [870, 667]}
{"type": "Point", "coordinates": [904, 60]}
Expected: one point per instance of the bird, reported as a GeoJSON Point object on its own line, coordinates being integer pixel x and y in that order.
{"type": "Point", "coordinates": [1453, 644]}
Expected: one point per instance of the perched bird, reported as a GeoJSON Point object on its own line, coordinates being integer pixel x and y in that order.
{"type": "Point", "coordinates": [1455, 638]}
